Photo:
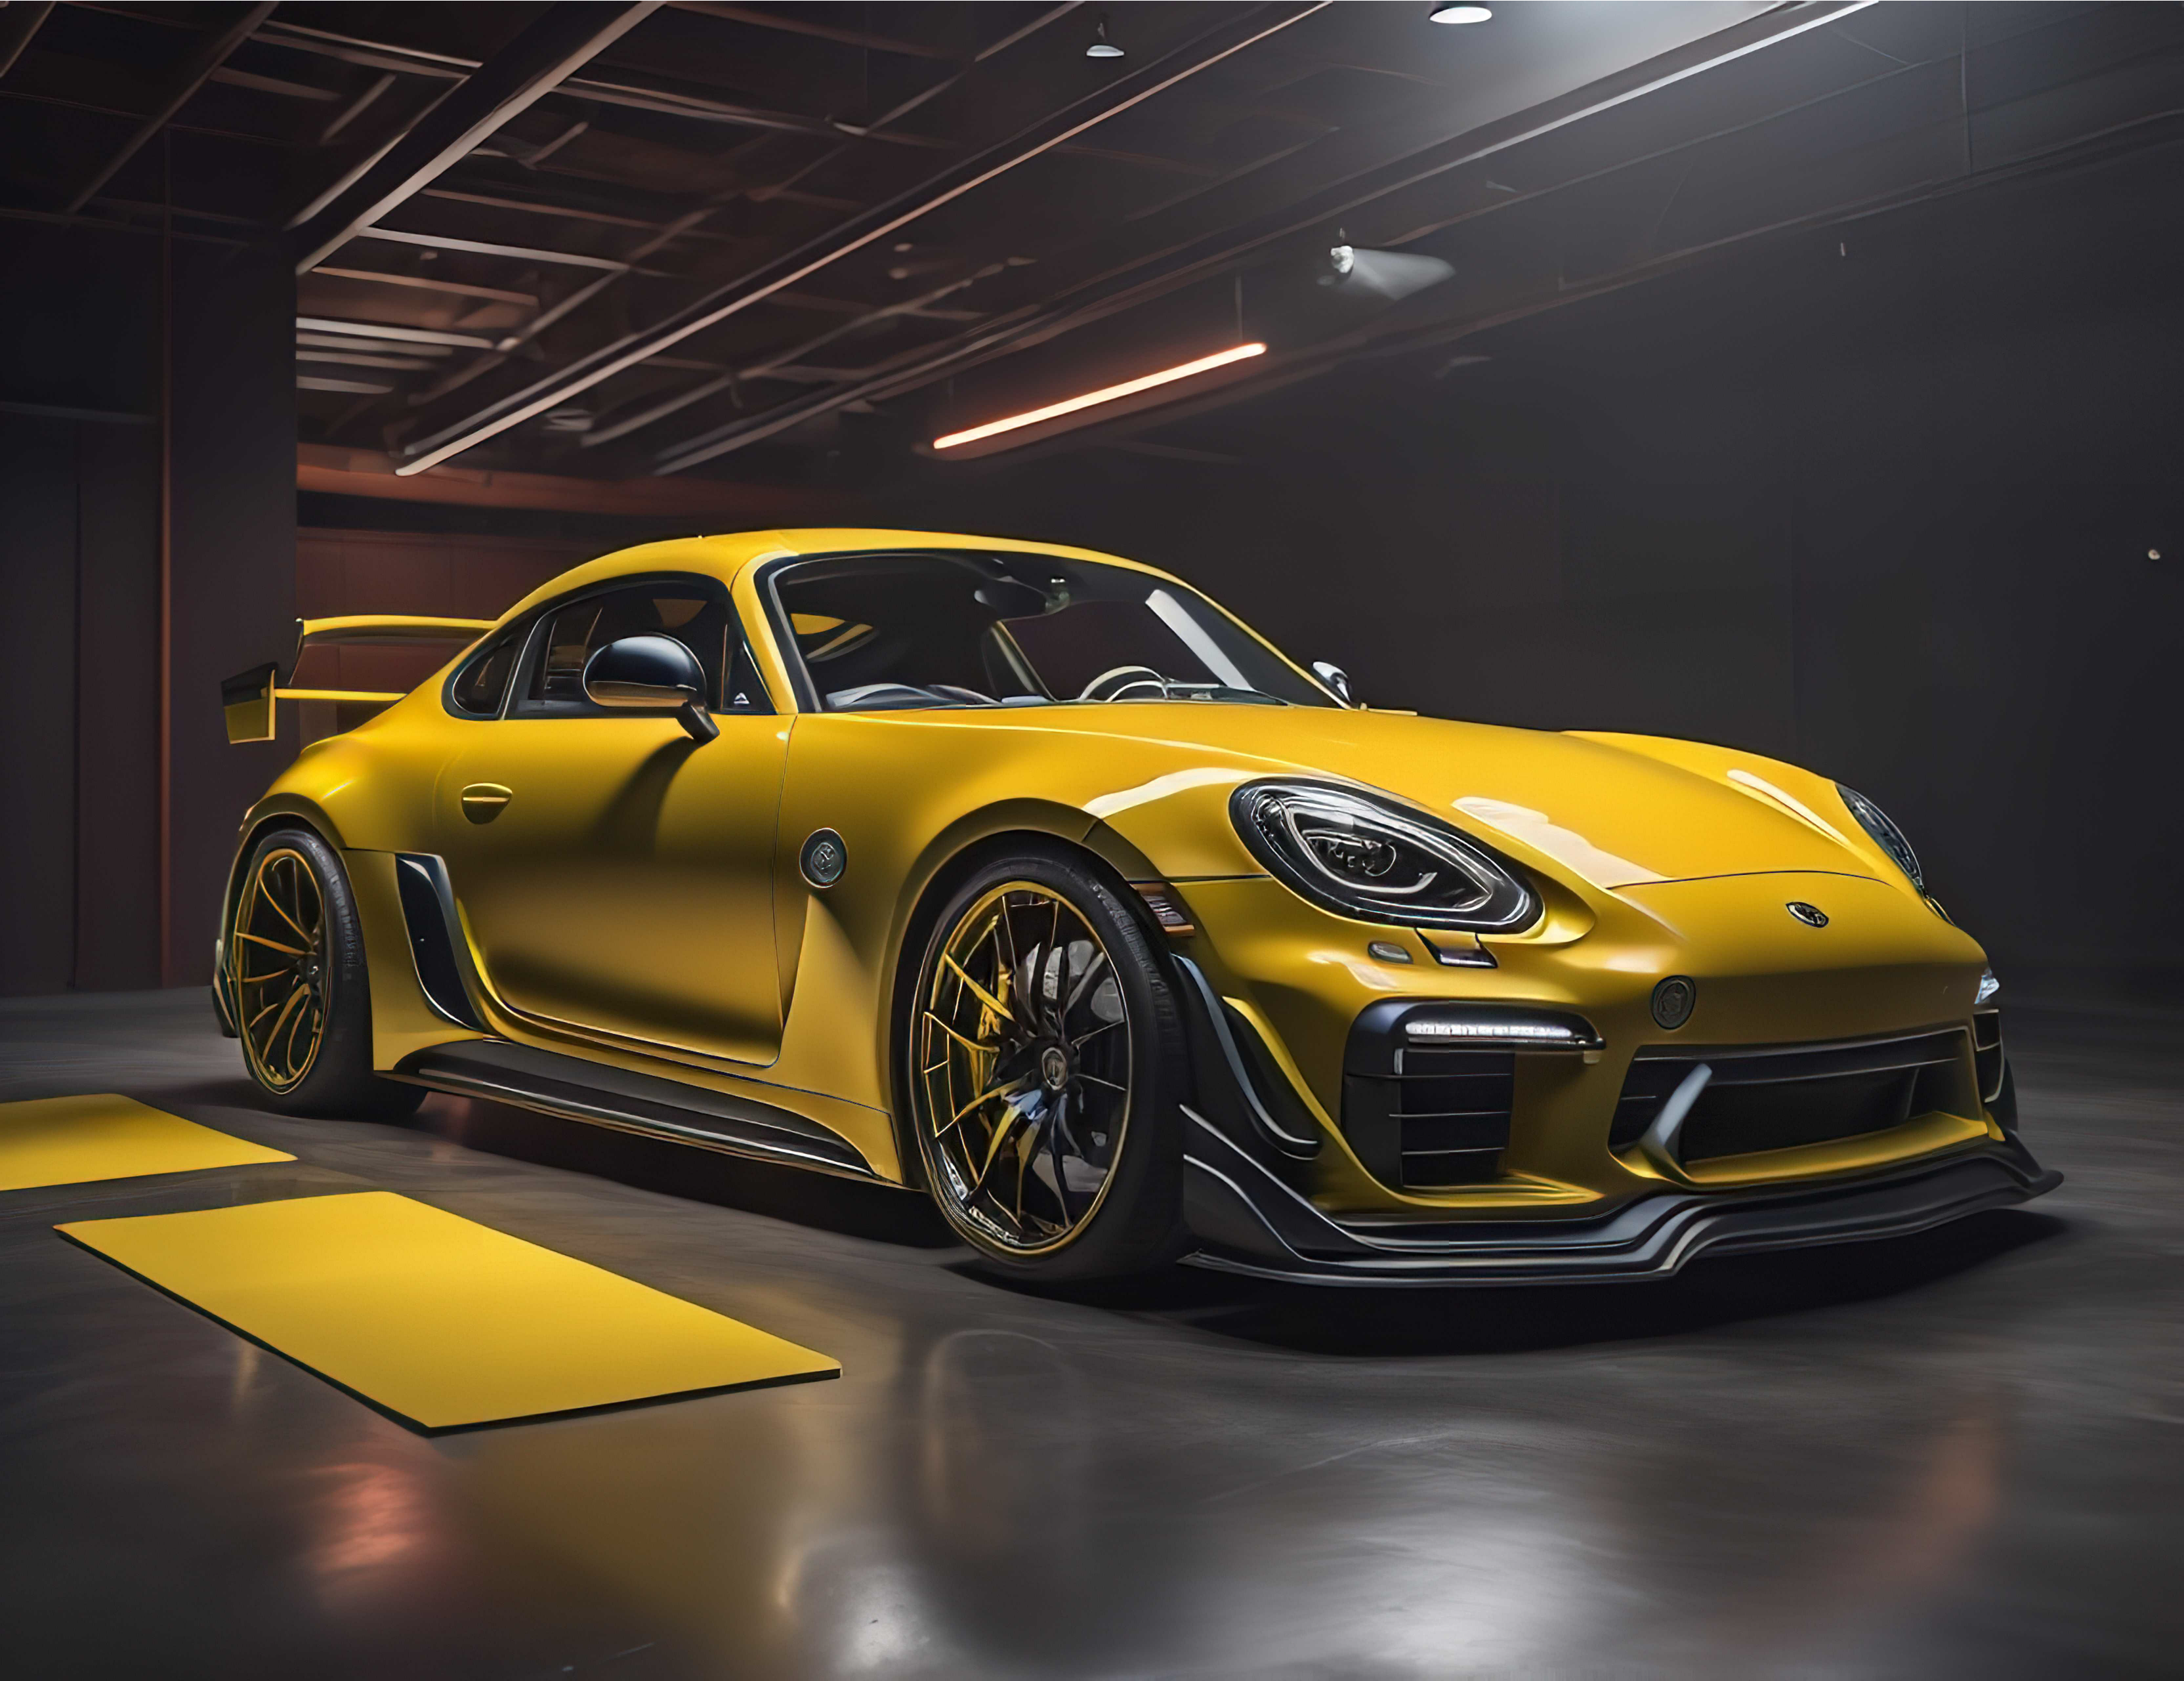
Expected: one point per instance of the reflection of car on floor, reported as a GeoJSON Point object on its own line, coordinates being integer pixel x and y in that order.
{"type": "Point", "coordinates": [1029, 876]}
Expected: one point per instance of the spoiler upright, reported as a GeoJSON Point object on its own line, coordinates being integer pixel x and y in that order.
{"type": "Point", "coordinates": [250, 698]}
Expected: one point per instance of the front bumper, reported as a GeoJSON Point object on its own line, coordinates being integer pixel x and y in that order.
{"type": "Point", "coordinates": [1246, 1219]}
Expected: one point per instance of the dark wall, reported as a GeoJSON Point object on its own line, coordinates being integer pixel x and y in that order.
{"type": "Point", "coordinates": [82, 367]}
{"type": "Point", "coordinates": [234, 549]}
{"type": "Point", "coordinates": [1879, 501]}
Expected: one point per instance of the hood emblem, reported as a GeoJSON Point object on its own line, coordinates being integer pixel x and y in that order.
{"type": "Point", "coordinates": [1811, 915]}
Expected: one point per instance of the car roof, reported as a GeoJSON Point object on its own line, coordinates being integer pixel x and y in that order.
{"type": "Point", "coordinates": [726, 555]}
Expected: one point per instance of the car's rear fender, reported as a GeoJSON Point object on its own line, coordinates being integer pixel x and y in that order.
{"type": "Point", "coordinates": [402, 1020]}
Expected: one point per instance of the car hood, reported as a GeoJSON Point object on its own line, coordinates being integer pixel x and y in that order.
{"type": "Point", "coordinates": [1611, 813]}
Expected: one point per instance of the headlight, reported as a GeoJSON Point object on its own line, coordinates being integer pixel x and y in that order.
{"type": "Point", "coordinates": [1874, 821]}
{"type": "Point", "coordinates": [1371, 858]}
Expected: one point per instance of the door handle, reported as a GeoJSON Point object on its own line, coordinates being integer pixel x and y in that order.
{"type": "Point", "coordinates": [483, 802]}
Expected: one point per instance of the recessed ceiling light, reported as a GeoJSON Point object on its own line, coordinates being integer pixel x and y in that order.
{"type": "Point", "coordinates": [1101, 47]}
{"type": "Point", "coordinates": [1460, 14]}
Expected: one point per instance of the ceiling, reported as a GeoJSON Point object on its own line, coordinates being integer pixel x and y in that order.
{"type": "Point", "coordinates": [794, 244]}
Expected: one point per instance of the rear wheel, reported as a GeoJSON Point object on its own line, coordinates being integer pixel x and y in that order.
{"type": "Point", "coordinates": [296, 975]}
{"type": "Point", "coordinates": [1046, 1066]}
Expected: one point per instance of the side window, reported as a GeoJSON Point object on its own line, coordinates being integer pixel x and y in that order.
{"type": "Point", "coordinates": [697, 616]}
{"type": "Point", "coordinates": [482, 684]}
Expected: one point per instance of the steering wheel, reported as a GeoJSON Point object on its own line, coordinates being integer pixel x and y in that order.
{"type": "Point", "coordinates": [1113, 684]}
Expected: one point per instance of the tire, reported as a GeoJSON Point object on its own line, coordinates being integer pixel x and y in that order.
{"type": "Point", "coordinates": [303, 999]}
{"type": "Point", "coordinates": [1049, 1129]}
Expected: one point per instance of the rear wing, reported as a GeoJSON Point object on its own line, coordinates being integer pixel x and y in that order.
{"type": "Point", "coordinates": [250, 699]}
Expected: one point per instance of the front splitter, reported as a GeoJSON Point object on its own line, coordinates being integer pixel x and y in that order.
{"type": "Point", "coordinates": [1249, 1221]}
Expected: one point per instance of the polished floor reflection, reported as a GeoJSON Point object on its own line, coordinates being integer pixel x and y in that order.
{"type": "Point", "coordinates": [1956, 1454]}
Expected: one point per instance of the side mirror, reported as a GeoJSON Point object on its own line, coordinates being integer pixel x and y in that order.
{"type": "Point", "coordinates": [651, 674]}
{"type": "Point", "coordinates": [1336, 679]}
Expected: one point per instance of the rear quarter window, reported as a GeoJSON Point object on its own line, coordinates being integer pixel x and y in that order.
{"type": "Point", "coordinates": [482, 683]}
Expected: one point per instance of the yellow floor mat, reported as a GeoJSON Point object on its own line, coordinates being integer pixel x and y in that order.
{"type": "Point", "coordinates": [71, 1141]}
{"type": "Point", "coordinates": [438, 1319]}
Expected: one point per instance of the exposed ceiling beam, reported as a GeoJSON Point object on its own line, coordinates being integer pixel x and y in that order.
{"type": "Point", "coordinates": [527, 299]}
{"type": "Point", "coordinates": [331, 341]}
{"type": "Point", "coordinates": [773, 365]}
{"type": "Point", "coordinates": [29, 97]}
{"type": "Point", "coordinates": [18, 23]}
{"type": "Point", "coordinates": [364, 359]}
{"type": "Point", "coordinates": [413, 335]}
{"type": "Point", "coordinates": [691, 222]}
{"type": "Point", "coordinates": [545, 53]}
{"type": "Point", "coordinates": [567, 212]}
{"type": "Point", "coordinates": [790, 25]}
{"type": "Point", "coordinates": [194, 72]}
{"type": "Point", "coordinates": [1233, 34]}
{"type": "Point", "coordinates": [348, 49]}
{"type": "Point", "coordinates": [230, 77]}
{"type": "Point", "coordinates": [485, 248]}
{"type": "Point", "coordinates": [1221, 249]}
{"type": "Point", "coordinates": [354, 387]}
{"type": "Point", "coordinates": [1546, 285]}
{"type": "Point", "coordinates": [355, 108]}
{"type": "Point", "coordinates": [635, 95]}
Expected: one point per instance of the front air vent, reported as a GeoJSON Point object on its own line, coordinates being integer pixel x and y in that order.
{"type": "Point", "coordinates": [1986, 1052]}
{"type": "Point", "coordinates": [1446, 1124]}
{"type": "Point", "coordinates": [1428, 1084]}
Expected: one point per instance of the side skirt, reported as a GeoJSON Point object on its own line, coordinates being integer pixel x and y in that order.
{"type": "Point", "coordinates": [577, 1090]}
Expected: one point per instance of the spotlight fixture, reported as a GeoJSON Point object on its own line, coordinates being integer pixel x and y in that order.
{"type": "Point", "coordinates": [1460, 14]}
{"type": "Point", "coordinates": [1389, 277]}
{"type": "Point", "coordinates": [1101, 47]}
{"type": "Point", "coordinates": [1106, 393]}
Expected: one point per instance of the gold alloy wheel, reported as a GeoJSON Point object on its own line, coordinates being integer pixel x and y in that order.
{"type": "Point", "coordinates": [1022, 1088]}
{"type": "Point", "coordinates": [277, 964]}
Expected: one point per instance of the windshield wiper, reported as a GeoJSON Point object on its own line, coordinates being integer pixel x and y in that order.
{"type": "Point", "coordinates": [1221, 692]}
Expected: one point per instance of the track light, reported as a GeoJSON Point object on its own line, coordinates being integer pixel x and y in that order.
{"type": "Point", "coordinates": [1101, 47]}
{"type": "Point", "coordinates": [1106, 393]}
{"type": "Point", "coordinates": [1460, 14]}
{"type": "Point", "coordinates": [1390, 276]}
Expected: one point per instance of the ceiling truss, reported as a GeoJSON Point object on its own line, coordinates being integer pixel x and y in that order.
{"type": "Point", "coordinates": [613, 239]}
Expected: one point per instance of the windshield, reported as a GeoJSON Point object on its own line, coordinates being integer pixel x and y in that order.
{"type": "Point", "coordinates": [889, 632]}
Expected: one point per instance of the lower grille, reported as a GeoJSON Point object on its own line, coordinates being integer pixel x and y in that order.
{"type": "Point", "coordinates": [1773, 1098]}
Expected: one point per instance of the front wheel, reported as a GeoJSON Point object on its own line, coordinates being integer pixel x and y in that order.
{"type": "Point", "coordinates": [297, 980]}
{"type": "Point", "coordinates": [1046, 1069]}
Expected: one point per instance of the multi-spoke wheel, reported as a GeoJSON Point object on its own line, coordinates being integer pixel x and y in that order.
{"type": "Point", "coordinates": [297, 987]}
{"type": "Point", "coordinates": [277, 966]}
{"type": "Point", "coordinates": [1043, 1055]}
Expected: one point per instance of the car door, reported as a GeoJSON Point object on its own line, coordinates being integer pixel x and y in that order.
{"type": "Point", "coordinates": [615, 875]}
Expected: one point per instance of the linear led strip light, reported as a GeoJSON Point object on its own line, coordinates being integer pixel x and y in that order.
{"type": "Point", "coordinates": [1106, 393]}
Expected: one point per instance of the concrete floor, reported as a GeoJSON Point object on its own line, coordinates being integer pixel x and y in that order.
{"type": "Point", "coordinates": [1956, 1454]}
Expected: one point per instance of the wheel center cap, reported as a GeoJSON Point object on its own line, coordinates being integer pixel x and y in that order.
{"type": "Point", "coordinates": [1054, 1068]}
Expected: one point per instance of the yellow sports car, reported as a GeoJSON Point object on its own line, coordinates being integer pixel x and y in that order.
{"type": "Point", "coordinates": [1027, 876]}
